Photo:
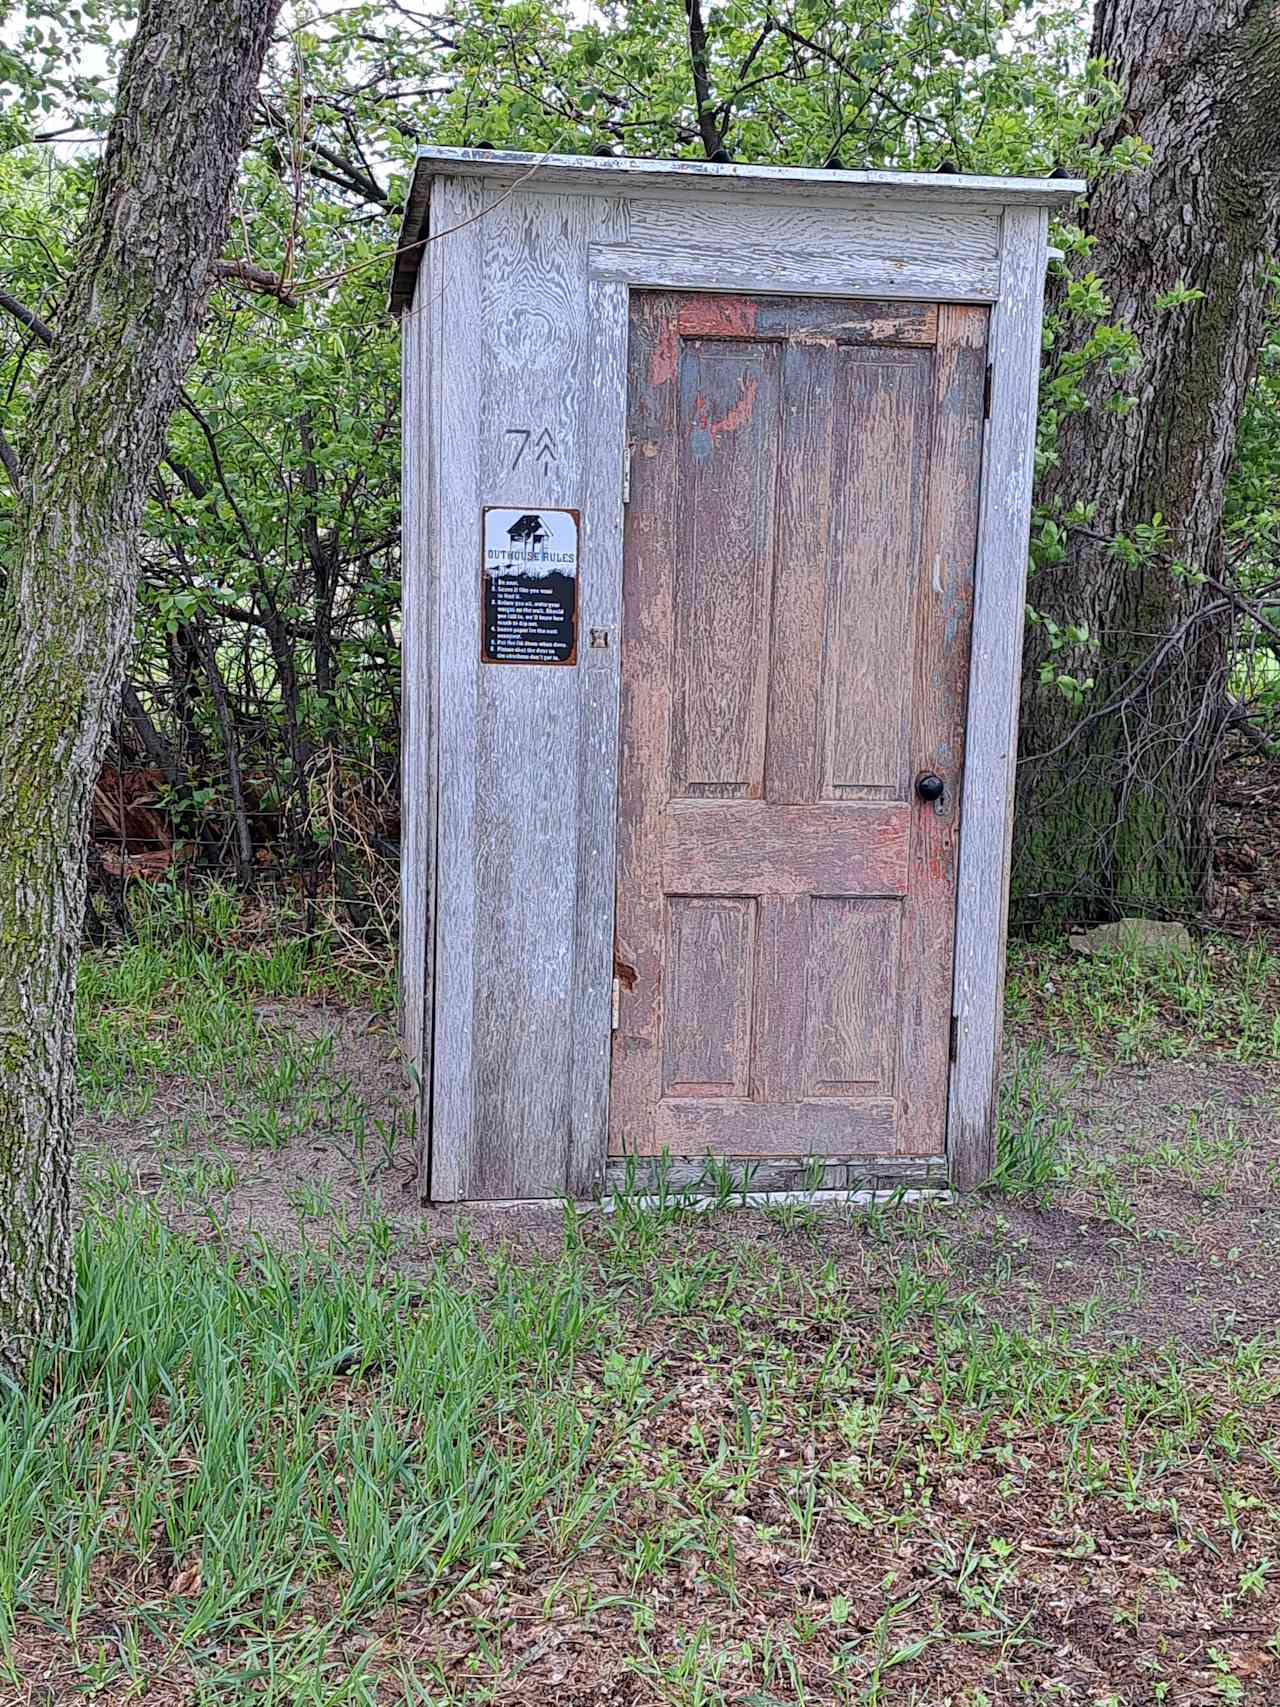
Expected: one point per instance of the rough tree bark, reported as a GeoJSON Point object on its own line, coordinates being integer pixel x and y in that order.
{"type": "Point", "coordinates": [1114, 810]}
{"type": "Point", "coordinates": [121, 344]}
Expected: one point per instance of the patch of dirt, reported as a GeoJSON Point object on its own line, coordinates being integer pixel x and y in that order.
{"type": "Point", "coordinates": [1166, 1227]}
{"type": "Point", "coordinates": [356, 1160]}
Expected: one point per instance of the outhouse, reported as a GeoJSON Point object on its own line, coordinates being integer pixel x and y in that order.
{"type": "Point", "coordinates": [716, 503]}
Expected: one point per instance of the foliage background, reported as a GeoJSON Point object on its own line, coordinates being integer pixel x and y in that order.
{"type": "Point", "coordinates": [263, 712]}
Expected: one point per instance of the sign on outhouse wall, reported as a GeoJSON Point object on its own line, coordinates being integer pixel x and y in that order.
{"type": "Point", "coordinates": [529, 602]}
{"type": "Point", "coordinates": [717, 488]}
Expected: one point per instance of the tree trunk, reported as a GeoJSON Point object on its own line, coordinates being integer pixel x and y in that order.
{"type": "Point", "coordinates": [121, 345]}
{"type": "Point", "coordinates": [1115, 796]}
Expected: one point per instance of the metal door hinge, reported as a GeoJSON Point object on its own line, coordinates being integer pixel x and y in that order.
{"type": "Point", "coordinates": [955, 1033]}
{"type": "Point", "coordinates": [617, 1000]}
{"type": "Point", "coordinates": [626, 475]}
{"type": "Point", "coordinates": [986, 395]}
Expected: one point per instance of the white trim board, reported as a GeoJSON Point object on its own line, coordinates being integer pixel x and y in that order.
{"type": "Point", "coordinates": [611, 173]}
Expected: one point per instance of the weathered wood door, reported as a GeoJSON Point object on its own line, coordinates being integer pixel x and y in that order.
{"type": "Point", "coordinates": [797, 591]}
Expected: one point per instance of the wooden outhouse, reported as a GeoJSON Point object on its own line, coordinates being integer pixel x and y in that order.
{"type": "Point", "coordinates": [716, 501]}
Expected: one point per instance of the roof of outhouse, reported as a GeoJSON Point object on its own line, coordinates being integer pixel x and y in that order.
{"type": "Point", "coordinates": [601, 172]}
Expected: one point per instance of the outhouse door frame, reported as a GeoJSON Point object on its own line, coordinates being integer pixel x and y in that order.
{"type": "Point", "coordinates": [593, 230]}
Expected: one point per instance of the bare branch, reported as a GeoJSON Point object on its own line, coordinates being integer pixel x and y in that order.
{"type": "Point", "coordinates": [26, 316]}
{"type": "Point", "coordinates": [712, 136]}
{"type": "Point", "coordinates": [257, 278]}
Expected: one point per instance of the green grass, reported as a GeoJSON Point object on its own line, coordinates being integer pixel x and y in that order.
{"type": "Point", "coordinates": [1133, 1007]}
{"type": "Point", "coordinates": [187, 1000]}
{"type": "Point", "coordinates": [241, 1465]}
{"type": "Point", "coordinates": [1034, 1131]}
{"type": "Point", "coordinates": [653, 1461]}
{"type": "Point", "coordinates": [250, 1427]}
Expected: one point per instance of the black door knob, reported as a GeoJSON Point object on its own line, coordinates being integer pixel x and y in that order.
{"type": "Point", "coordinates": [930, 787]}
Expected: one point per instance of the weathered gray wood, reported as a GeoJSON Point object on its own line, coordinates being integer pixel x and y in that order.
{"type": "Point", "coordinates": [762, 266]}
{"type": "Point", "coordinates": [417, 709]}
{"type": "Point", "coordinates": [924, 195]}
{"type": "Point", "coordinates": [458, 263]}
{"type": "Point", "coordinates": [528, 756]}
{"type": "Point", "coordinates": [614, 175]}
{"type": "Point", "coordinates": [603, 433]}
{"type": "Point", "coordinates": [527, 771]}
{"type": "Point", "coordinates": [411, 246]}
{"type": "Point", "coordinates": [533, 359]}
{"type": "Point", "coordinates": [893, 235]}
{"type": "Point", "coordinates": [982, 898]}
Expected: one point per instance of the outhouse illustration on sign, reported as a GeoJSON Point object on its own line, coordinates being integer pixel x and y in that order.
{"type": "Point", "coordinates": [528, 535]}
{"type": "Point", "coordinates": [530, 602]}
{"type": "Point", "coordinates": [725, 885]}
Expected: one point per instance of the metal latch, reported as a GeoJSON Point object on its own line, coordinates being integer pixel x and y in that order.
{"type": "Point", "coordinates": [626, 475]}
{"type": "Point", "coordinates": [617, 1001]}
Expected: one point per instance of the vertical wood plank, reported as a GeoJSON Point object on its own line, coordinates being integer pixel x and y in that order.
{"type": "Point", "coordinates": [942, 620]}
{"type": "Point", "coordinates": [417, 696]}
{"type": "Point", "coordinates": [534, 361]}
{"type": "Point", "coordinates": [458, 262]}
{"type": "Point", "coordinates": [983, 887]}
{"type": "Point", "coordinates": [603, 430]}
{"type": "Point", "coordinates": [801, 574]}
{"type": "Point", "coordinates": [882, 404]}
{"type": "Point", "coordinates": [644, 735]}
{"type": "Point", "coordinates": [777, 1034]}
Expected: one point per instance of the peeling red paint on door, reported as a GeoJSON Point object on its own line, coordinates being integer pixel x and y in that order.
{"type": "Point", "coordinates": [717, 317]}
{"type": "Point", "coordinates": [800, 540]}
{"type": "Point", "coordinates": [666, 351]}
{"type": "Point", "coordinates": [706, 432]}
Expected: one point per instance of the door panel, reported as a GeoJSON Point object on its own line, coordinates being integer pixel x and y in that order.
{"type": "Point", "coordinates": [707, 998]}
{"type": "Point", "coordinates": [850, 995]}
{"type": "Point", "coordinates": [882, 407]}
{"type": "Point", "coordinates": [730, 399]}
{"type": "Point", "coordinates": [797, 588]}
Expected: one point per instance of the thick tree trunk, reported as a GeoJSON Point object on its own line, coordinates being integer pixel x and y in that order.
{"type": "Point", "coordinates": [1114, 809]}
{"type": "Point", "coordinates": [121, 344]}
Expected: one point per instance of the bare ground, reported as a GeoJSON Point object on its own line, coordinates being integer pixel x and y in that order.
{"type": "Point", "coordinates": [1166, 1224]}
{"type": "Point", "coordinates": [1079, 1564]}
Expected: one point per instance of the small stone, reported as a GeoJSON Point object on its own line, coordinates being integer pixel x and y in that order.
{"type": "Point", "coordinates": [1135, 936]}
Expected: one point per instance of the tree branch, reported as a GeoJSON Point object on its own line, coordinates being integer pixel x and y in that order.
{"type": "Point", "coordinates": [27, 316]}
{"type": "Point", "coordinates": [9, 457]}
{"type": "Point", "coordinates": [257, 278]}
{"type": "Point", "coordinates": [712, 136]}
